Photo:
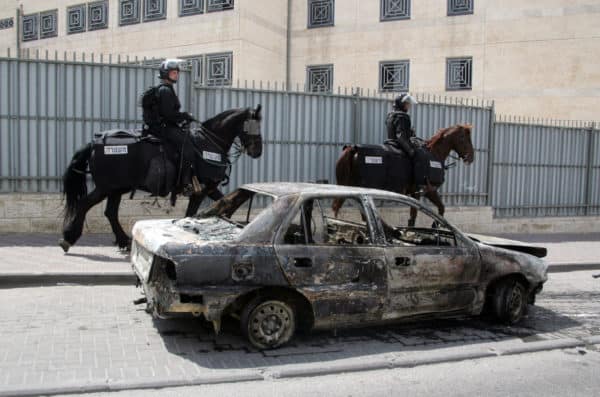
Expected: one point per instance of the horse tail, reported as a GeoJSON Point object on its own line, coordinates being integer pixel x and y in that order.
{"type": "Point", "coordinates": [74, 180]}
{"type": "Point", "coordinates": [344, 174]}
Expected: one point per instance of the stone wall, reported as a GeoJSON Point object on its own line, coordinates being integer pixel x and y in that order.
{"type": "Point", "coordinates": [41, 213]}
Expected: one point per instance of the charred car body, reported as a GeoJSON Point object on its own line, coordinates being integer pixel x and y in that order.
{"type": "Point", "coordinates": [273, 256]}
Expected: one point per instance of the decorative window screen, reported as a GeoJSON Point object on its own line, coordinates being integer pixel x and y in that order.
{"type": "Point", "coordinates": [319, 78]}
{"type": "Point", "coordinates": [219, 5]}
{"type": "Point", "coordinates": [98, 15]}
{"type": "Point", "coordinates": [393, 10]}
{"type": "Point", "coordinates": [30, 27]}
{"type": "Point", "coordinates": [394, 76]}
{"type": "Point", "coordinates": [321, 13]}
{"type": "Point", "coordinates": [459, 73]}
{"type": "Point", "coordinates": [154, 10]}
{"type": "Point", "coordinates": [460, 7]}
{"type": "Point", "coordinates": [129, 12]}
{"type": "Point", "coordinates": [76, 19]}
{"type": "Point", "coordinates": [48, 24]}
{"type": "Point", "coordinates": [218, 69]}
{"type": "Point", "coordinates": [191, 7]}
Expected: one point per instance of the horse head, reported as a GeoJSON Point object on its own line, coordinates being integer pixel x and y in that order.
{"type": "Point", "coordinates": [237, 123]}
{"type": "Point", "coordinates": [457, 138]}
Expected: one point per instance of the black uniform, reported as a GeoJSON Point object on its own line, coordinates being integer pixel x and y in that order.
{"type": "Point", "coordinates": [166, 127]}
{"type": "Point", "coordinates": [399, 129]}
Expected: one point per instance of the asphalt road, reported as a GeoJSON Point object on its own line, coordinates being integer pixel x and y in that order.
{"type": "Point", "coordinates": [91, 338]}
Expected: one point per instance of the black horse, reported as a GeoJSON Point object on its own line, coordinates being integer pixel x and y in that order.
{"type": "Point", "coordinates": [133, 163]}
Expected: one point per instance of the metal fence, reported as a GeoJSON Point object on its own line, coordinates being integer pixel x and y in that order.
{"type": "Point", "coordinates": [51, 107]}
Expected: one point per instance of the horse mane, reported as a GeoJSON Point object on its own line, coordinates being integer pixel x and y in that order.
{"type": "Point", "coordinates": [223, 117]}
{"type": "Point", "coordinates": [442, 132]}
{"type": "Point", "coordinates": [431, 142]}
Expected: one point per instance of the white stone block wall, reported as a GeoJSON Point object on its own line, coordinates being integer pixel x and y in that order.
{"type": "Point", "coordinates": [42, 213]}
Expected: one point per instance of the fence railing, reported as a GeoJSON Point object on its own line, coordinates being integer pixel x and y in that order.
{"type": "Point", "coordinates": [51, 107]}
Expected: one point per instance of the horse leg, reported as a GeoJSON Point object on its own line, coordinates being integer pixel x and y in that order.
{"type": "Point", "coordinates": [413, 210]}
{"type": "Point", "coordinates": [194, 203]}
{"type": "Point", "coordinates": [435, 198]}
{"type": "Point", "coordinates": [74, 228]}
{"type": "Point", "coordinates": [112, 213]}
{"type": "Point", "coordinates": [215, 194]}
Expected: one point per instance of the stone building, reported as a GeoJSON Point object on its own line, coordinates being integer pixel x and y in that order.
{"type": "Point", "coordinates": [533, 58]}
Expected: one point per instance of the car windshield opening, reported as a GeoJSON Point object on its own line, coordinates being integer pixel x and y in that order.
{"type": "Point", "coordinates": [239, 207]}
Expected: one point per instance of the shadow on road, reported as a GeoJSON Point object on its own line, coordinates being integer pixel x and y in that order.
{"type": "Point", "coordinates": [51, 240]}
{"type": "Point", "coordinates": [194, 339]}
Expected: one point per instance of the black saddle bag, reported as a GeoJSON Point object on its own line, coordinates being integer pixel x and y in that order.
{"type": "Point", "coordinates": [371, 161]}
{"type": "Point", "coordinates": [211, 164]}
{"type": "Point", "coordinates": [428, 169]}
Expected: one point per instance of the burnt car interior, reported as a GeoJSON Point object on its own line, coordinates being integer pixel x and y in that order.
{"type": "Point", "coordinates": [426, 231]}
{"type": "Point", "coordinates": [239, 207]}
{"type": "Point", "coordinates": [314, 225]}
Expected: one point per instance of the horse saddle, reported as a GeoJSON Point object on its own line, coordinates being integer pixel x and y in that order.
{"type": "Point", "coordinates": [123, 137]}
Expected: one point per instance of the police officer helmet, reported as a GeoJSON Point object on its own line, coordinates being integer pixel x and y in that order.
{"type": "Point", "coordinates": [166, 66]}
{"type": "Point", "coordinates": [402, 99]}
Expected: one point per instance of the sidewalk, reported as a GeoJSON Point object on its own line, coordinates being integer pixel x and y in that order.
{"type": "Point", "coordinates": [36, 258]}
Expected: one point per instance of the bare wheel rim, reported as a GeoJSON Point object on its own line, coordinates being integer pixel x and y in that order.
{"type": "Point", "coordinates": [271, 324]}
{"type": "Point", "coordinates": [515, 302]}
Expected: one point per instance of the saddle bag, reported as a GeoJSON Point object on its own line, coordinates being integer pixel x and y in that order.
{"type": "Point", "coordinates": [428, 169]}
{"type": "Point", "coordinates": [371, 161]}
{"type": "Point", "coordinates": [212, 165]}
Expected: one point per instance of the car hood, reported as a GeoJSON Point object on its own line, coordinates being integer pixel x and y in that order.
{"type": "Point", "coordinates": [166, 237]}
{"type": "Point", "coordinates": [511, 245]}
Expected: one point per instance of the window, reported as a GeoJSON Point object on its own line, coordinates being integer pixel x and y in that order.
{"type": "Point", "coordinates": [394, 217]}
{"type": "Point", "coordinates": [195, 64]}
{"type": "Point", "coordinates": [7, 23]}
{"type": "Point", "coordinates": [218, 69]}
{"type": "Point", "coordinates": [320, 13]}
{"type": "Point", "coordinates": [98, 15]}
{"type": "Point", "coordinates": [219, 5]}
{"type": "Point", "coordinates": [154, 10]}
{"type": "Point", "coordinates": [76, 19]}
{"type": "Point", "coordinates": [48, 24]}
{"type": "Point", "coordinates": [394, 76]}
{"type": "Point", "coordinates": [30, 27]}
{"type": "Point", "coordinates": [129, 12]}
{"type": "Point", "coordinates": [191, 7]}
{"type": "Point", "coordinates": [319, 78]}
{"type": "Point", "coordinates": [393, 10]}
{"type": "Point", "coordinates": [315, 224]}
{"type": "Point", "coordinates": [459, 73]}
{"type": "Point", "coordinates": [460, 7]}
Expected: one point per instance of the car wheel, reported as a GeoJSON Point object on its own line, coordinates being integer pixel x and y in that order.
{"type": "Point", "coordinates": [510, 302]}
{"type": "Point", "coordinates": [268, 323]}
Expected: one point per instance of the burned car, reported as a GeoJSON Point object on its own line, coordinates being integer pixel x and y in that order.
{"type": "Point", "coordinates": [274, 256]}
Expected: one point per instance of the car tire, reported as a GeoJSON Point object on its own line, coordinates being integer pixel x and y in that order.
{"type": "Point", "coordinates": [510, 302]}
{"type": "Point", "coordinates": [268, 323]}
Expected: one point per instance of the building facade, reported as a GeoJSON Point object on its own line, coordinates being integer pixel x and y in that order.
{"type": "Point", "coordinates": [535, 58]}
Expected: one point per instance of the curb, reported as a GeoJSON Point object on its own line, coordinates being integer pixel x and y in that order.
{"type": "Point", "coordinates": [19, 280]}
{"type": "Point", "coordinates": [572, 267]}
{"type": "Point", "coordinates": [400, 361]}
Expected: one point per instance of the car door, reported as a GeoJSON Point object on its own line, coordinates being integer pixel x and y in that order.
{"type": "Point", "coordinates": [431, 268]}
{"type": "Point", "coordinates": [334, 261]}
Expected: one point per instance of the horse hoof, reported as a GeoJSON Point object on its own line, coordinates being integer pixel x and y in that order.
{"type": "Point", "coordinates": [64, 244]}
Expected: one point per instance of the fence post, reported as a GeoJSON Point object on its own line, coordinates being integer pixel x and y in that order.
{"type": "Point", "coordinates": [491, 147]}
{"type": "Point", "coordinates": [588, 171]}
{"type": "Point", "coordinates": [355, 114]}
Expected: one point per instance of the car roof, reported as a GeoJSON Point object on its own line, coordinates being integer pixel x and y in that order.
{"type": "Point", "coordinates": [279, 189]}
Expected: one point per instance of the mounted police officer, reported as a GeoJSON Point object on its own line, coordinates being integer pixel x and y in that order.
{"type": "Point", "coordinates": [164, 119]}
{"type": "Point", "coordinates": [399, 127]}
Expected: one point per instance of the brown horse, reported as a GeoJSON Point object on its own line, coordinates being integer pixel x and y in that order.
{"type": "Point", "coordinates": [446, 140]}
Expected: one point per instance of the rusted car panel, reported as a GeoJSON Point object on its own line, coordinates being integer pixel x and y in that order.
{"type": "Point", "coordinates": [221, 261]}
